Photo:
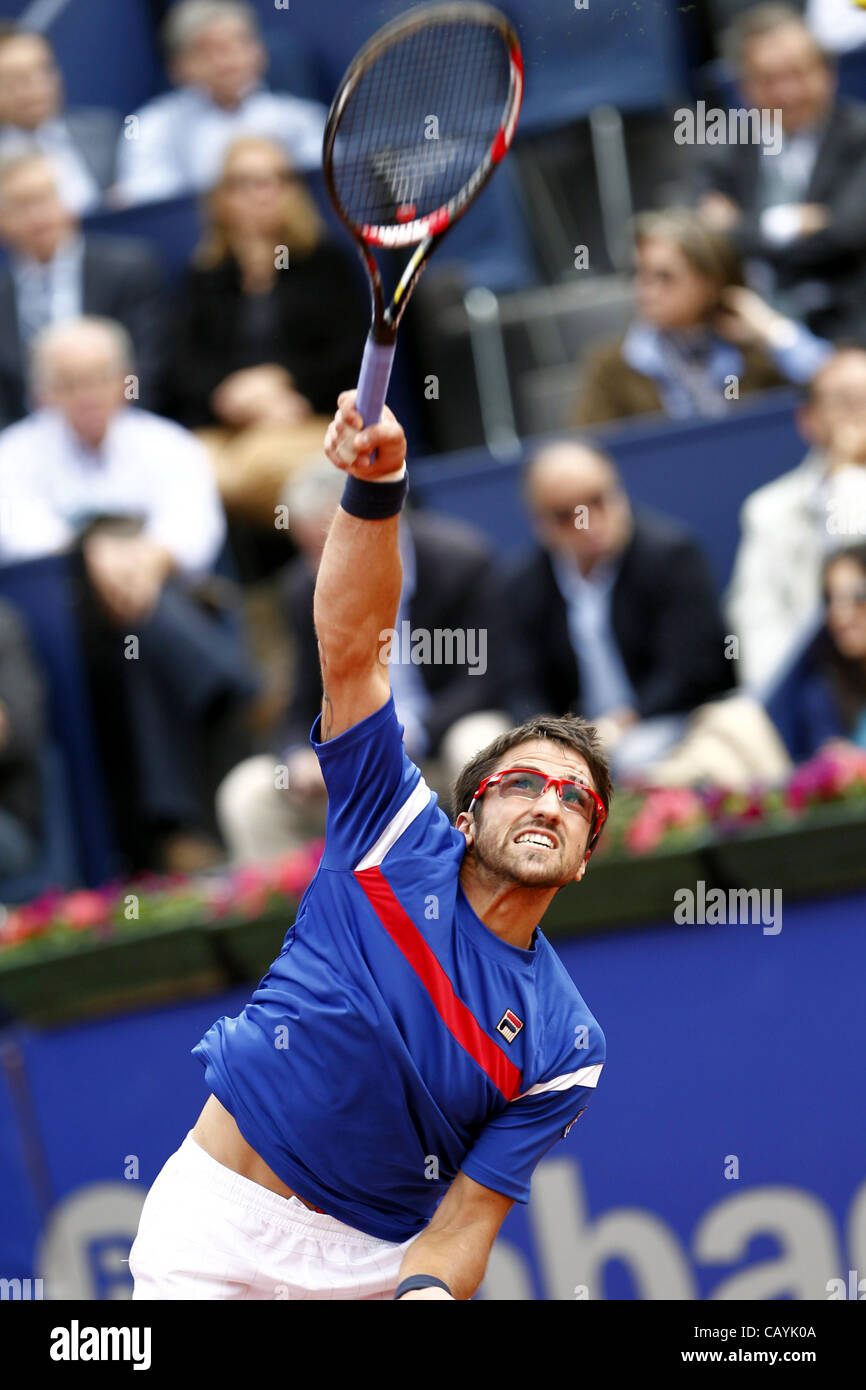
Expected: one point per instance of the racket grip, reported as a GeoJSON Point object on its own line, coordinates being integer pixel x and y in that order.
{"type": "Point", "coordinates": [373, 382]}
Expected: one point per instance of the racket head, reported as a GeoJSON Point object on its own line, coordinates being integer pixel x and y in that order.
{"type": "Point", "coordinates": [392, 180]}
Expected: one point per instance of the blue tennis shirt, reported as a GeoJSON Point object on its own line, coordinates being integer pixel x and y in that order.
{"type": "Point", "coordinates": [396, 1039]}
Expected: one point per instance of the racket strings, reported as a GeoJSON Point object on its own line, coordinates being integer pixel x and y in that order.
{"type": "Point", "coordinates": [420, 122]}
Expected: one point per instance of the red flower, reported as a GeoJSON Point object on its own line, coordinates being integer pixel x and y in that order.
{"type": "Point", "coordinates": [84, 909]}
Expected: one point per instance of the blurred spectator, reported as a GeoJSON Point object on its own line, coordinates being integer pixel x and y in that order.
{"type": "Point", "coordinates": [176, 143]}
{"type": "Point", "coordinates": [700, 338]}
{"type": "Point", "coordinates": [81, 143]}
{"type": "Point", "coordinates": [55, 272]}
{"type": "Point", "coordinates": [22, 732]}
{"type": "Point", "coordinates": [449, 706]}
{"type": "Point", "coordinates": [614, 613]}
{"type": "Point", "coordinates": [136, 494]}
{"type": "Point", "coordinates": [798, 214]}
{"type": "Point", "coordinates": [789, 525]}
{"type": "Point", "coordinates": [838, 25]}
{"type": "Point", "coordinates": [821, 703]}
{"type": "Point", "coordinates": [271, 326]}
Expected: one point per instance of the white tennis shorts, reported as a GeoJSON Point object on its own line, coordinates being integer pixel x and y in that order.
{"type": "Point", "coordinates": [208, 1233]}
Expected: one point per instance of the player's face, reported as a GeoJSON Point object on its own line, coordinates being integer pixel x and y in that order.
{"type": "Point", "coordinates": [539, 843]}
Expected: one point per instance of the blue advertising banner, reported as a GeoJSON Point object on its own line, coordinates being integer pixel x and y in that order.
{"type": "Point", "coordinates": [723, 1156]}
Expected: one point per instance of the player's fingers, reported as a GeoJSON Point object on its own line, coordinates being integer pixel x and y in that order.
{"type": "Point", "coordinates": [336, 446]}
{"type": "Point", "coordinates": [387, 437]}
{"type": "Point", "coordinates": [346, 452]}
{"type": "Point", "coordinates": [346, 409]}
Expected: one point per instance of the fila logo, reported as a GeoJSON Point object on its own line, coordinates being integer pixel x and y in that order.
{"type": "Point", "coordinates": [509, 1026]}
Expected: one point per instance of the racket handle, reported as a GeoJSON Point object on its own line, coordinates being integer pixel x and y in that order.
{"type": "Point", "coordinates": [372, 385]}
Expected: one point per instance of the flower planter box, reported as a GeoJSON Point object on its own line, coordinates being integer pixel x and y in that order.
{"type": "Point", "coordinates": [625, 892]}
{"type": "Point", "coordinates": [70, 975]}
{"type": "Point", "coordinates": [825, 853]}
{"type": "Point", "coordinates": [246, 949]}
{"type": "Point", "coordinates": [90, 976]}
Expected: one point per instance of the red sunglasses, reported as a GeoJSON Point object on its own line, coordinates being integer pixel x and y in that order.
{"type": "Point", "coordinates": [529, 783]}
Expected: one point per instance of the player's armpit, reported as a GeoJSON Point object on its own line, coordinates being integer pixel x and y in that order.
{"type": "Point", "coordinates": [456, 1245]}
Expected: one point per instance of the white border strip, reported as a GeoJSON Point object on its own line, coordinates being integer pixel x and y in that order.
{"type": "Point", "coordinates": [586, 1076]}
{"type": "Point", "coordinates": [411, 808]}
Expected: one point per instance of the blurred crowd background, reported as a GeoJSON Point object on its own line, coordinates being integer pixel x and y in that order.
{"type": "Point", "coordinates": [179, 310]}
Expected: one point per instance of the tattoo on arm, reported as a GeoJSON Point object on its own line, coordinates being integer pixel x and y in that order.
{"type": "Point", "coordinates": [327, 716]}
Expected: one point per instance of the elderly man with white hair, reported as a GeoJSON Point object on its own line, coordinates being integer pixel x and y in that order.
{"type": "Point", "coordinates": [217, 61]}
{"type": "Point", "coordinates": [132, 497]}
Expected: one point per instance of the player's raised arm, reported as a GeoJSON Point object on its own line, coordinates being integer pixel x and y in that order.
{"type": "Point", "coordinates": [360, 575]}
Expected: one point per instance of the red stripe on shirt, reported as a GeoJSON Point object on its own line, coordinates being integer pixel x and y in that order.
{"type": "Point", "coordinates": [460, 1021]}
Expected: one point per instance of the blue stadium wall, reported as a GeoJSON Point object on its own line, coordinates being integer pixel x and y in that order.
{"type": "Point", "coordinates": [724, 1155]}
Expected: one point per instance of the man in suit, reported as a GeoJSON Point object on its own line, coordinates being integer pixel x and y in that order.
{"type": "Point", "coordinates": [55, 272]}
{"type": "Point", "coordinates": [80, 142]}
{"type": "Point", "coordinates": [613, 612]}
{"type": "Point", "coordinates": [447, 668]}
{"type": "Point", "coordinates": [798, 214]}
{"type": "Point", "coordinates": [132, 498]}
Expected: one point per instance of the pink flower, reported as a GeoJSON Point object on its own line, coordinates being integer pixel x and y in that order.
{"type": "Point", "coordinates": [645, 831]}
{"type": "Point", "coordinates": [84, 909]}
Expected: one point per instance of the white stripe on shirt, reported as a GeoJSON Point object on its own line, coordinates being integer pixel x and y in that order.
{"type": "Point", "coordinates": [411, 808]}
{"type": "Point", "coordinates": [585, 1076]}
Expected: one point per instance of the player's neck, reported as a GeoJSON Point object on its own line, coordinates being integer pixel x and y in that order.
{"type": "Point", "coordinates": [510, 910]}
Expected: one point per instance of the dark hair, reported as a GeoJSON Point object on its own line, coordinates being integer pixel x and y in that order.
{"type": "Point", "coordinates": [568, 729]}
{"type": "Point", "coordinates": [846, 676]}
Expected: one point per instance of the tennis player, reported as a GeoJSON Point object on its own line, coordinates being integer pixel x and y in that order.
{"type": "Point", "coordinates": [417, 1046]}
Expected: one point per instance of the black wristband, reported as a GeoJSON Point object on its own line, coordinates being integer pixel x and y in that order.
{"type": "Point", "coordinates": [374, 501]}
{"type": "Point", "coordinates": [420, 1281]}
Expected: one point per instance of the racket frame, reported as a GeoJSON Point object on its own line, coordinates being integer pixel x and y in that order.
{"type": "Point", "coordinates": [424, 233]}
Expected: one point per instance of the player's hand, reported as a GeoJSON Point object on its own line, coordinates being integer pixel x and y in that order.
{"type": "Point", "coordinates": [348, 444]}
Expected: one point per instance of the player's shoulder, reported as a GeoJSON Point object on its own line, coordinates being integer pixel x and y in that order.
{"type": "Point", "coordinates": [569, 1024]}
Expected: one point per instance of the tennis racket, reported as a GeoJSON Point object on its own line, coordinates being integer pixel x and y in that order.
{"type": "Point", "coordinates": [424, 114]}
